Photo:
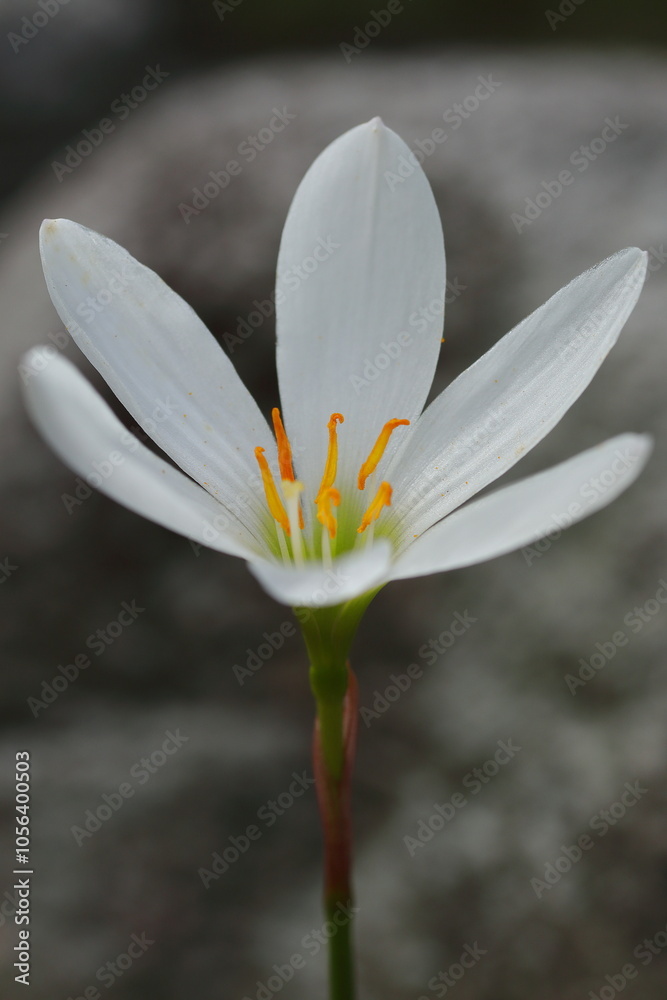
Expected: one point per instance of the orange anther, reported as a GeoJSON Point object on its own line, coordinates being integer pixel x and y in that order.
{"type": "Point", "coordinates": [331, 464]}
{"type": "Point", "coordinates": [377, 451]}
{"type": "Point", "coordinates": [273, 500]}
{"type": "Point", "coordinates": [382, 499]}
{"type": "Point", "coordinates": [284, 453]}
{"type": "Point", "coordinates": [284, 448]}
{"type": "Point", "coordinates": [324, 512]}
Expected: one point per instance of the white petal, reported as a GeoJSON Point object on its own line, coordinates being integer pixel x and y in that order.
{"type": "Point", "coordinates": [160, 361]}
{"type": "Point", "coordinates": [528, 510]}
{"type": "Point", "coordinates": [90, 439]}
{"type": "Point", "coordinates": [347, 334]}
{"type": "Point", "coordinates": [316, 587]}
{"type": "Point", "coordinates": [507, 401]}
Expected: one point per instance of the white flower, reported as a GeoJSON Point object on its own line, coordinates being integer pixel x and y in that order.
{"type": "Point", "coordinates": [360, 303]}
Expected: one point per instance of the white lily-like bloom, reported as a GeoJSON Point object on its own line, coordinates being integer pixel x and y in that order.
{"type": "Point", "coordinates": [358, 486]}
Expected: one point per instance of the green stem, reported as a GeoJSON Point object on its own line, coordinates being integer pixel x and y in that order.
{"type": "Point", "coordinates": [333, 755]}
{"type": "Point", "coordinates": [328, 633]}
{"type": "Point", "coordinates": [341, 958]}
{"type": "Point", "coordinates": [330, 736]}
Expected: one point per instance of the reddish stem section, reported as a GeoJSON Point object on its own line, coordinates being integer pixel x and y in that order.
{"type": "Point", "coordinates": [334, 797]}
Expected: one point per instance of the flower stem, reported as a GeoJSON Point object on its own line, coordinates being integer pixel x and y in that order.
{"type": "Point", "coordinates": [328, 633]}
{"type": "Point", "coordinates": [334, 745]}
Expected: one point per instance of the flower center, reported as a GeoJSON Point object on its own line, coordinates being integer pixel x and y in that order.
{"type": "Point", "coordinates": [285, 503]}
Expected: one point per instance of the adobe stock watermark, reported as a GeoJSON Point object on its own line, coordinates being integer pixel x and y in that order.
{"type": "Point", "coordinates": [140, 773]}
{"type": "Point", "coordinates": [267, 815]}
{"type": "Point", "coordinates": [391, 350]}
{"type": "Point", "coordinates": [120, 108]}
{"type": "Point", "coordinates": [635, 620]}
{"type": "Point", "coordinates": [475, 781]}
{"type": "Point", "coordinates": [446, 979]}
{"type": "Point", "coordinates": [117, 281]}
{"type": "Point", "coordinates": [492, 420]}
{"type": "Point", "coordinates": [324, 586]}
{"type": "Point", "coordinates": [599, 825]}
{"type": "Point", "coordinates": [32, 24]}
{"type": "Point", "coordinates": [365, 33]}
{"type": "Point", "coordinates": [219, 523]}
{"type": "Point", "coordinates": [597, 322]}
{"type": "Point", "coordinates": [104, 468]}
{"type": "Point", "coordinates": [645, 952]}
{"type": "Point", "coordinates": [8, 906]}
{"type": "Point", "coordinates": [581, 158]}
{"type": "Point", "coordinates": [256, 658]}
{"type": "Point", "coordinates": [224, 7]}
{"type": "Point", "coordinates": [408, 163]}
{"type": "Point", "coordinates": [7, 569]}
{"type": "Point", "coordinates": [289, 281]}
{"type": "Point", "coordinates": [657, 258]}
{"type": "Point", "coordinates": [247, 151]}
{"type": "Point", "coordinates": [273, 641]}
{"type": "Point", "coordinates": [97, 642]}
{"type": "Point", "coordinates": [590, 492]}
{"type": "Point", "coordinates": [108, 973]}
{"type": "Point", "coordinates": [312, 943]}
{"type": "Point", "coordinates": [430, 652]}
{"type": "Point", "coordinates": [40, 358]}
{"type": "Point", "coordinates": [565, 9]}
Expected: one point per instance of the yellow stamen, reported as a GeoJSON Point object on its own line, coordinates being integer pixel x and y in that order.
{"type": "Point", "coordinates": [284, 448]}
{"type": "Point", "coordinates": [382, 499]}
{"type": "Point", "coordinates": [331, 464]}
{"type": "Point", "coordinates": [324, 512]}
{"type": "Point", "coordinates": [273, 500]}
{"type": "Point", "coordinates": [377, 451]}
{"type": "Point", "coordinates": [284, 453]}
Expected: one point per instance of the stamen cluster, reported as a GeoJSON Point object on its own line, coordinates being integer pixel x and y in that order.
{"type": "Point", "coordinates": [285, 503]}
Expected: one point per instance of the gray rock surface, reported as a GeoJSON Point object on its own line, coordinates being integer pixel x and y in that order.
{"type": "Point", "coordinates": [537, 614]}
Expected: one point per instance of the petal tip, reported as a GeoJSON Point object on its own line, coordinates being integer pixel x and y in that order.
{"type": "Point", "coordinates": [644, 443]}
{"type": "Point", "coordinates": [48, 229]}
{"type": "Point", "coordinates": [53, 230]}
{"type": "Point", "coordinates": [635, 257]}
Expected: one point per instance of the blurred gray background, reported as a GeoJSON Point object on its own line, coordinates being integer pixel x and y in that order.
{"type": "Point", "coordinates": [68, 567]}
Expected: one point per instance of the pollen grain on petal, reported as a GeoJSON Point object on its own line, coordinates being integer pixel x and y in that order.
{"type": "Point", "coordinates": [382, 499]}
{"type": "Point", "coordinates": [272, 498]}
{"type": "Point", "coordinates": [378, 451]}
